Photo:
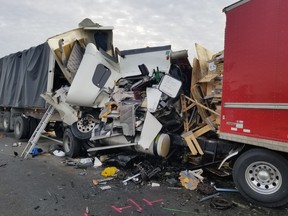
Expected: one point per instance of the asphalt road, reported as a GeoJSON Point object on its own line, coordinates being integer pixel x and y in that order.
{"type": "Point", "coordinates": [45, 185]}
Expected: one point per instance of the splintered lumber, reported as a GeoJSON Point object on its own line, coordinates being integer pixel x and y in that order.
{"type": "Point", "coordinates": [184, 110]}
{"type": "Point", "coordinates": [208, 78]}
{"type": "Point", "coordinates": [191, 146]}
{"type": "Point", "coordinates": [196, 73]}
{"type": "Point", "coordinates": [202, 106]}
{"type": "Point", "coordinates": [190, 137]}
{"type": "Point", "coordinates": [198, 95]}
{"type": "Point", "coordinates": [192, 143]}
{"type": "Point", "coordinates": [195, 142]}
{"type": "Point", "coordinates": [201, 131]}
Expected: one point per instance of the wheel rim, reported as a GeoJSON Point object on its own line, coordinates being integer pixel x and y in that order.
{"type": "Point", "coordinates": [17, 128]}
{"type": "Point", "coordinates": [263, 177]}
{"type": "Point", "coordinates": [6, 123]}
{"type": "Point", "coordinates": [67, 144]}
{"type": "Point", "coordinates": [86, 124]}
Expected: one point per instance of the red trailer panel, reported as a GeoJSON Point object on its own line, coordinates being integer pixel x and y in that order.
{"type": "Point", "coordinates": [255, 81]}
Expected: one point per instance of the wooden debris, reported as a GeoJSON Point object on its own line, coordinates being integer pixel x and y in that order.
{"type": "Point", "coordinates": [205, 96]}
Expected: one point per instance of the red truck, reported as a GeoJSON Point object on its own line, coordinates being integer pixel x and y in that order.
{"type": "Point", "coordinates": [255, 98]}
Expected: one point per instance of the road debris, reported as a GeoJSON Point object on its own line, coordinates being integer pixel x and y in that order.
{"type": "Point", "coordinates": [106, 187]}
{"type": "Point", "coordinates": [221, 203]}
{"type": "Point", "coordinates": [3, 165]}
{"type": "Point", "coordinates": [209, 197]}
{"type": "Point", "coordinates": [130, 178]}
{"type": "Point", "coordinates": [58, 153]}
{"type": "Point", "coordinates": [83, 173]}
{"type": "Point", "coordinates": [36, 151]}
{"type": "Point", "coordinates": [190, 179]}
{"type": "Point", "coordinates": [226, 190]}
{"type": "Point", "coordinates": [97, 162]}
{"type": "Point", "coordinates": [109, 171]}
{"type": "Point", "coordinates": [97, 181]}
{"type": "Point", "coordinates": [15, 144]}
{"type": "Point", "coordinates": [155, 184]}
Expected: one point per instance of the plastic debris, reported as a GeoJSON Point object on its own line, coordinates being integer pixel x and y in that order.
{"type": "Point", "coordinates": [189, 180]}
{"type": "Point", "coordinates": [36, 151]}
{"type": "Point", "coordinates": [154, 184]}
{"type": "Point", "coordinates": [106, 187]}
{"type": "Point", "coordinates": [109, 171]}
{"type": "Point", "coordinates": [97, 163]}
{"type": "Point", "coordinates": [15, 145]}
{"type": "Point", "coordinates": [59, 153]}
{"type": "Point", "coordinates": [83, 173]}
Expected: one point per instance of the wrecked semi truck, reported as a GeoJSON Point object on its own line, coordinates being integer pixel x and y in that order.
{"type": "Point", "coordinates": [101, 95]}
{"type": "Point", "coordinates": [109, 92]}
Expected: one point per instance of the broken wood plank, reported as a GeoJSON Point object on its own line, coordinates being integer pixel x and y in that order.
{"type": "Point", "coordinates": [201, 131]}
{"type": "Point", "coordinates": [191, 146]}
{"type": "Point", "coordinates": [196, 73]}
{"type": "Point", "coordinates": [185, 115]}
{"type": "Point", "coordinates": [208, 78]}
{"type": "Point", "coordinates": [197, 95]}
{"type": "Point", "coordinates": [196, 144]}
{"type": "Point", "coordinates": [204, 56]}
{"type": "Point", "coordinates": [204, 107]}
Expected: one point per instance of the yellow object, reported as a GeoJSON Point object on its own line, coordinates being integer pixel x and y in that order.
{"type": "Point", "coordinates": [109, 171]}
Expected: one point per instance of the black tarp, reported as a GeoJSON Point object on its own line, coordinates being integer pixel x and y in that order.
{"type": "Point", "coordinates": [23, 77]}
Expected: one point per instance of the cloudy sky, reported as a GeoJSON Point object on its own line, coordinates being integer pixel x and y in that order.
{"type": "Point", "coordinates": [137, 23]}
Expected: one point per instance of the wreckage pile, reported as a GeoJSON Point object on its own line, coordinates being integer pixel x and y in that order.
{"type": "Point", "coordinates": [182, 100]}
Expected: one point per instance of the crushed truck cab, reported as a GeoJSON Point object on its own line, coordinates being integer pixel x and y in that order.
{"type": "Point", "coordinates": [112, 97]}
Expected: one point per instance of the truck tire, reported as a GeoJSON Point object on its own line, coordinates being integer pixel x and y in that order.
{"type": "Point", "coordinates": [59, 129]}
{"type": "Point", "coordinates": [6, 122]}
{"type": "Point", "coordinates": [33, 122]}
{"type": "Point", "coordinates": [71, 144]}
{"type": "Point", "coordinates": [21, 128]}
{"type": "Point", "coordinates": [261, 177]}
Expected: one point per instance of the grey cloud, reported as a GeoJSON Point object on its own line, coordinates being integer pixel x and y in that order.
{"type": "Point", "coordinates": [143, 23]}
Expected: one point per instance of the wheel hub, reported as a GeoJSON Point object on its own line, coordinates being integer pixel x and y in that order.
{"type": "Point", "coordinates": [263, 177]}
{"type": "Point", "coordinates": [86, 124]}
